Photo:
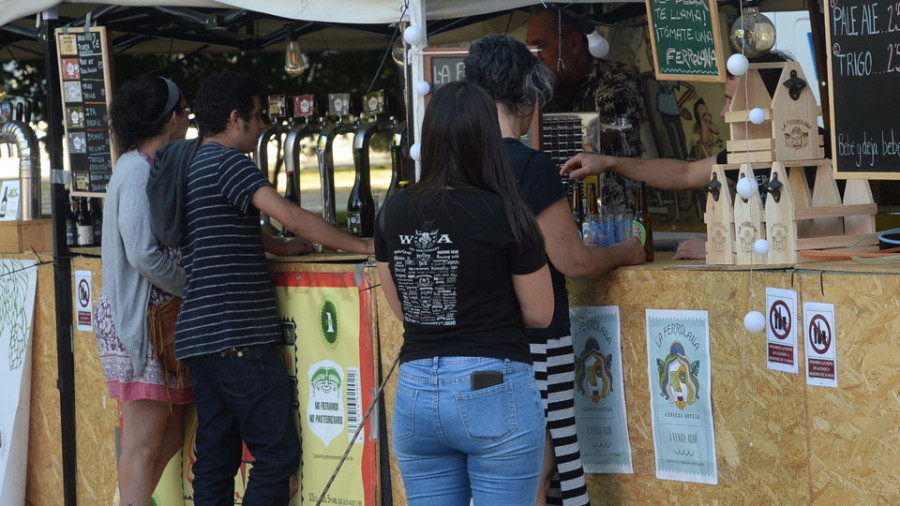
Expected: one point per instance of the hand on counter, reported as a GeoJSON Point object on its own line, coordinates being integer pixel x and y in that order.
{"type": "Point", "coordinates": [294, 247]}
{"type": "Point", "coordinates": [691, 249]}
{"type": "Point", "coordinates": [631, 252]}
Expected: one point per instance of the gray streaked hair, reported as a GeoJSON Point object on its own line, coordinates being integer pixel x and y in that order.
{"type": "Point", "coordinates": [510, 73]}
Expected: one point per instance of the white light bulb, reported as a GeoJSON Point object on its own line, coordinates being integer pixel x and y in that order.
{"type": "Point", "coordinates": [747, 188]}
{"type": "Point", "coordinates": [757, 116]}
{"type": "Point", "coordinates": [737, 64]}
{"type": "Point", "coordinates": [754, 321]}
{"type": "Point", "coordinates": [597, 45]}
{"type": "Point", "coordinates": [423, 88]}
{"type": "Point", "coordinates": [412, 35]}
{"type": "Point", "coordinates": [761, 246]}
{"type": "Point", "coordinates": [415, 151]}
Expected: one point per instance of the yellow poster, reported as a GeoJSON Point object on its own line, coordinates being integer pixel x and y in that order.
{"type": "Point", "coordinates": [326, 321]}
{"type": "Point", "coordinates": [329, 315]}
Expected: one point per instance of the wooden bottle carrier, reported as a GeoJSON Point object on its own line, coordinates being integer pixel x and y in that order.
{"type": "Point", "coordinates": [794, 219]}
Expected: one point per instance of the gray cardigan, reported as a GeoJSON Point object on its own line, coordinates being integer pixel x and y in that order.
{"type": "Point", "coordinates": [132, 258]}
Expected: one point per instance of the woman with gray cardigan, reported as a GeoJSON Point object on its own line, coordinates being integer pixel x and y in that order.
{"type": "Point", "coordinates": [137, 271]}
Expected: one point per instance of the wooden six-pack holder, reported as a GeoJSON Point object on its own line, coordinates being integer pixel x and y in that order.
{"type": "Point", "coordinates": [793, 219]}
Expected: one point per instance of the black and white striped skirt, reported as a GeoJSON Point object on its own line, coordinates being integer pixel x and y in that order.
{"type": "Point", "coordinates": [554, 370]}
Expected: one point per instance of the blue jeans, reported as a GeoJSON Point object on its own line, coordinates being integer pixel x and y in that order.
{"type": "Point", "coordinates": [243, 394]}
{"type": "Point", "coordinates": [453, 443]}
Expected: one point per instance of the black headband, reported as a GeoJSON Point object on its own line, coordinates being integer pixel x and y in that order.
{"type": "Point", "coordinates": [174, 95]}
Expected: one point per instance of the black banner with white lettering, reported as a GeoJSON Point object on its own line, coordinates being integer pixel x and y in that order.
{"type": "Point", "coordinates": [864, 68]}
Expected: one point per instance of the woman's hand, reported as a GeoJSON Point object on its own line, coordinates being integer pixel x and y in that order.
{"type": "Point", "coordinates": [691, 249]}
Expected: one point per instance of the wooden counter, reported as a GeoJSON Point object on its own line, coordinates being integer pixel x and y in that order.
{"type": "Point", "coordinates": [779, 441]}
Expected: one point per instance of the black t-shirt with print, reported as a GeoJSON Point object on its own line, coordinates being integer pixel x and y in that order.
{"type": "Point", "coordinates": [452, 261]}
{"type": "Point", "coordinates": [539, 180]}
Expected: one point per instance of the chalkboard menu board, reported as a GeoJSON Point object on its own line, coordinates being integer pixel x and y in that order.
{"type": "Point", "coordinates": [686, 41]}
{"type": "Point", "coordinates": [85, 82]}
{"type": "Point", "coordinates": [864, 70]}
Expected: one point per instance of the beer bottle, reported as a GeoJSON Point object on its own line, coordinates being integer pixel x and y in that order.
{"type": "Point", "coordinates": [578, 206]}
{"type": "Point", "coordinates": [97, 219]}
{"type": "Point", "coordinates": [590, 227]}
{"type": "Point", "coordinates": [3, 203]}
{"type": "Point", "coordinates": [643, 228]}
{"type": "Point", "coordinates": [71, 226]}
{"type": "Point", "coordinates": [85, 227]}
{"type": "Point", "coordinates": [291, 194]}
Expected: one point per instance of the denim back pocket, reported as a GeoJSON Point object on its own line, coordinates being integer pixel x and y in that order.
{"type": "Point", "coordinates": [403, 424]}
{"type": "Point", "coordinates": [488, 414]}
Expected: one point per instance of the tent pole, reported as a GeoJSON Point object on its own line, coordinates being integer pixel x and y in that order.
{"type": "Point", "coordinates": [62, 266]}
{"type": "Point", "coordinates": [417, 70]}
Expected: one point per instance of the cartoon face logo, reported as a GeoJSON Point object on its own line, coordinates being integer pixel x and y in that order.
{"type": "Point", "coordinates": [325, 379]}
{"type": "Point", "coordinates": [717, 238]}
{"type": "Point", "coordinates": [779, 237]}
{"type": "Point", "coordinates": [796, 138]}
{"type": "Point", "coordinates": [678, 377]}
{"type": "Point", "coordinates": [592, 372]}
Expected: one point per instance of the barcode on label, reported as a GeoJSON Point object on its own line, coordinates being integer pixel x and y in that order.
{"type": "Point", "coordinates": [353, 405]}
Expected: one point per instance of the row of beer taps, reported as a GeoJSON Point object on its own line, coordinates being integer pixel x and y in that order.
{"type": "Point", "coordinates": [306, 124]}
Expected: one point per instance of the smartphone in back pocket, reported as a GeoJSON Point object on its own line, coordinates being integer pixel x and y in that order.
{"type": "Point", "coordinates": [485, 379]}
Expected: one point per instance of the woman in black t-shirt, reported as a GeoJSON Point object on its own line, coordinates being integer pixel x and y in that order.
{"type": "Point", "coordinates": [461, 263]}
{"type": "Point", "coordinates": [518, 81]}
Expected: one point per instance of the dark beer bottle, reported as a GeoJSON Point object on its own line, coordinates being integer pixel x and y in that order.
{"type": "Point", "coordinates": [291, 194]}
{"type": "Point", "coordinates": [97, 219]}
{"type": "Point", "coordinates": [85, 227]}
{"type": "Point", "coordinates": [578, 205]}
{"type": "Point", "coordinates": [643, 227]}
{"type": "Point", "coordinates": [71, 226]}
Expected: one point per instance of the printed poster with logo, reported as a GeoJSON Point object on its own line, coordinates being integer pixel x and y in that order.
{"type": "Point", "coordinates": [18, 284]}
{"type": "Point", "coordinates": [330, 315]}
{"type": "Point", "coordinates": [679, 366]}
{"type": "Point", "coordinates": [781, 330]}
{"type": "Point", "coordinates": [600, 415]}
{"type": "Point", "coordinates": [821, 345]}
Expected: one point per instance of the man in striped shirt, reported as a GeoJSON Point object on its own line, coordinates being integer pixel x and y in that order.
{"type": "Point", "coordinates": [228, 321]}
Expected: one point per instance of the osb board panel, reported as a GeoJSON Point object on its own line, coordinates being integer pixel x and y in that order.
{"type": "Point", "coordinates": [759, 415]}
{"type": "Point", "coordinates": [44, 483]}
{"type": "Point", "coordinates": [390, 330]}
{"type": "Point", "coordinates": [96, 416]}
{"type": "Point", "coordinates": [855, 429]}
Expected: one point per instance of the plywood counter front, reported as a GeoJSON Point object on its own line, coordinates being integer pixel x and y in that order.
{"type": "Point", "coordinates": [778, 441]}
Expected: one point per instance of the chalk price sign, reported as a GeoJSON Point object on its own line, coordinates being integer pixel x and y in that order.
{"type": "Point", "coordinates": [687, 44]}
{"type": "Point", "coordinates": [84, 80]}
{"type": "Point", "coordinates": [864, 68]}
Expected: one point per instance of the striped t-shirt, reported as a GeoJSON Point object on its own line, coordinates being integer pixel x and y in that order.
{"type": "Point", "coordinates": [228, 297]}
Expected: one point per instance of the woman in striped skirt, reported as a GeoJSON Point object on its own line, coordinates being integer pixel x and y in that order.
{"type": "Point", "coordinates": [518, 81]}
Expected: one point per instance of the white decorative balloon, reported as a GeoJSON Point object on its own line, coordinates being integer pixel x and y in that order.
{"type": "Point", "coordinates": [597, 45]}
{"type": "Point", "coordinates": [423, 88]}
{"type": "Point", "coordinates": [754, 321]}
{"type": "Point", "coordinates": [412, 35]}
{"type": "Point", "coordinates": [747, 188]}
{"type": "Point", "coordinates": [761, 246]}
{"type": "Point", "coordinates": [757, 116]}
{"type": "Point", "coordinates": [737, 64]}
{"type": "Point", "coordinates": [415, 151]}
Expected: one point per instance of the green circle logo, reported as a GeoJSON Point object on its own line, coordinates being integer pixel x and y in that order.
{"type": "Point", "coordinates": [329, 321]}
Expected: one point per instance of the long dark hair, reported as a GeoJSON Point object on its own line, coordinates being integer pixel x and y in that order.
{"type": "Point", "coordinates": [462, 148]}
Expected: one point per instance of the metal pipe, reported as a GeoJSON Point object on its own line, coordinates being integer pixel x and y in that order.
{"type": "Point", "coordinates": [325, 155]}
{"type": "Point", "coordinates": [22, 135]}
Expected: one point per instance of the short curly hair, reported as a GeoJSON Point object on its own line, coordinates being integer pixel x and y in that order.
{"type": "Point", "coordinates": [219, 95]}
{"type": "Point", "coordinates": [510, 73]}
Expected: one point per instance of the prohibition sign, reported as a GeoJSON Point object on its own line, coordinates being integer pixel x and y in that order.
{"type": "Point", "coordinates": [780, 320]}
{"type": "Point", "coordinates": [84, 293]}
{"type": "Point", "coordinates": [819, 334]}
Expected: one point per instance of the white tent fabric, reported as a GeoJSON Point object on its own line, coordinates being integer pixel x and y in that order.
{"type": "Point", "coordinates": [329, 11]}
